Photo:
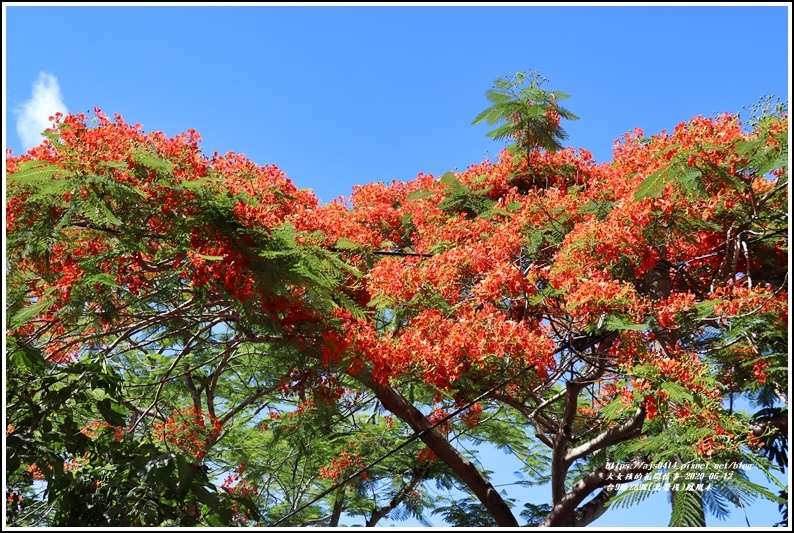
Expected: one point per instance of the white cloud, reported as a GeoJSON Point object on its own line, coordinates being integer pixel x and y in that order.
{"type": "Point", "coordinates": [34, 115]}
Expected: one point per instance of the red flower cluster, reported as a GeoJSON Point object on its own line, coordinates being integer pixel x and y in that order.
{"type": "Point", "coordinates": [92, 430]}
{"type": "Point", "coordinates": [480, 272]}
{"type": "Point", "coordinates": [35, 472]}
{"type": "Point", "coordinates": [190, 429]}
{"type": "Point", "coordinates": [344, 465]}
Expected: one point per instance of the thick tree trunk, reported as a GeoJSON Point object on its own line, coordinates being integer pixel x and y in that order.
{"type": "Point", "coordinates": [336, 513]}
{"type": "Point", "coordinates": [463, 468]}
{"type": "Point", "coordinates": [565, 512]}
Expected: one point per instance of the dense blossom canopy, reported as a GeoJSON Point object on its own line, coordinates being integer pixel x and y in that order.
{"type": "Point", "coordinates": [587, 307]}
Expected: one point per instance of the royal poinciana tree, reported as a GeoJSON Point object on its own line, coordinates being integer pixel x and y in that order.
{"type": "Point", "coordinates": [193, 340]}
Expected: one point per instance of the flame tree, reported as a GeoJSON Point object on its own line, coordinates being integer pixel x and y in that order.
{"type": "Point", "coordinates": [193, 340]}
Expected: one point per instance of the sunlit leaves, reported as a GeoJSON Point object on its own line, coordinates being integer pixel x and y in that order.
{"type": "Point", "coordinates": [209, 313]}
{"type": "Point", "coordinates": [531, 114]}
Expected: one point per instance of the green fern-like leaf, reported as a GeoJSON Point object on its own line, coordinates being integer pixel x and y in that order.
{"type": "Point", "coordinates": [151, 161]}
{"type": "Point", "coordinates": [35, 173]}
{"type": "Point", "coordinates": [628, 498]}
{"type": "Point", "coordinates": [677, 393]}
{"type": "Point", "coordinates": [47, 189]}
{"type": "Point", "coordinates": [717, 502]}
{"type": "Point", "coordinates": [687, 509]}
{"type": "Point", "coordinates": [653, 186]}
{"type": "Point", "coordinates": [521, 103]}
{"type": "Point", "coordinates": [32, 310]}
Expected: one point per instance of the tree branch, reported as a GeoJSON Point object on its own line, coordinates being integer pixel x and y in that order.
{"type": "Point", "coordinates": [559, 456]}
{"type": "Point", "coordinates": [630, 428]}
{"type": "Point", "coordinates": [417, 478]}
{"type": "Point", "coordinates": [779, 422]}
{"type": "Point", "coordinates": [564, 512]}
{"type": "Point", "coordinates": [594, 509]}
{"type": "Point", "coordinates": [465, 470]}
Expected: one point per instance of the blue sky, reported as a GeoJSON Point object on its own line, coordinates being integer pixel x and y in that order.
{"type": "Point", "coordinates": [338, 95]}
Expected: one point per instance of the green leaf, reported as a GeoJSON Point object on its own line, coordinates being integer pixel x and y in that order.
{"type": "Point", "coordinates": [686, 510]}
{"type": "Point", "coordinates": [111, 416]}
{"type": "Point", "coordinates": [113, 219]}
{"type": "Point", "coordinates": [209, 257]}
{"type": "Point", "coordinates": [214, 520]}
{"type": "Point", "coordinates": [26, 356]}
{"type": "Point", "coordinates": [667, 150]}
{"type": "Point", "coordinates": [26, 313]}
{"type": "Point", "coordinates": [505, 131]}
{"type": "Point", "coordinates": [614, 410]}
{"type": "Point", "coordinates": [705, 308]}
{"type": "Point", "coordinates": [690, 181]}
{"type": "Point", "coordinates": [53, 135]}
{"type": "Point", "coordinates": [676, 392]}
{"type": "Point", "coordinates": [600, 209]}
{"type": "Point", "coordinates": [773, 164]}
{"type": "Point", "coordinates": [278, 254]}
{"type": "Point", "coordinates": [346, 244]}
{"type": "Point", "coordinates": [103, 279]}
{"type": "Point", "coordinates": [97, 393]}
{"type": "Point", "coordinates": [206, 497]}
{"type": "Point", "coordinates": [496, 211]}
{"type": "Point", "coordinates": [615, 323]}
{"type": "Point", "coordinates": [201, 183]}
{"type": "Point", "coordinates": [32, 163]}
{"type": "Point", "coordinates": [652, 186]}
{"type": "Point", "coordinates": [536, 110]}
{"type": "Point", "coordinates": [381, 301]}
{"type": "Point", "coordinates": [121, 165]}
{"type": "Point", "coordinates": [644, 371]}
{"type": "Point", "coordinates": [149, 160]}
{"type": "Point", "coordinates": [183, 470]}
{"type": "Point", "coordinates": [418, 195]}
{"type": "Point", "coordinates": [730, 180]}
{"type": "Point", "coordinates": [743, 147]}
{"type": "Point", "coordinates": [452, 183]}
{"type": "Point", "coordinates": [34, 173]}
